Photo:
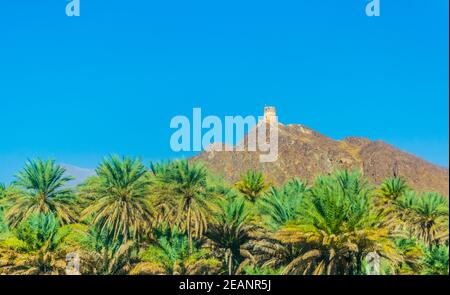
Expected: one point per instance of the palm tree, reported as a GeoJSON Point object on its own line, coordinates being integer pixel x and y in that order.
{"type": "Point", "coordinates": [43, 189]}
{"type": "Point", "coordinates": [121, 207]}
{"type": "Point", "coordinates": [436, 261]}
{"type": "Point", "coordinates": [37, 247]}
{"type": "Point", "coordinates": [182, 196]}
{"type": "Point", "coordinates": [232, 234]}
{"type": "Point", "coordinates": [429, 216]}
{"type": "Point", "coordinates": [406, 203]}
{"type": "Point", "coordinates": [102, 255]}
{"type": "Point", "coordinates": [169, 253]}
{"type": "Point", "coordinates": [412, 253]}
{"type": "Point", "coordinates": [393, 188]}
{"type": "Point", "coordinates": [269, 252]}
{"type": "Point", "coordinates": [252, 185]}
{"type": "Point", "coordinates": [2, 190]}
{"type": "Point", "coordinates": [2, 197]}
{"type": "Point", "coordinates": [280, 205]}
{"type": "Point", "coordinates": [337, 229]}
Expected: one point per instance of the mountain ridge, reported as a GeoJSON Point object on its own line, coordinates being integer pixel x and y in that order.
{"type": "Point", "coordinates": [306, 153]}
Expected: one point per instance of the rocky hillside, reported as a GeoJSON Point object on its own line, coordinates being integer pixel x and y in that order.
{"type": "Point", "coordinates": [305, 153]}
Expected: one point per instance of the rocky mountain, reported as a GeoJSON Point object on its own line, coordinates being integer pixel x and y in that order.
{"type": "Point", "coordinates": [305, 153]}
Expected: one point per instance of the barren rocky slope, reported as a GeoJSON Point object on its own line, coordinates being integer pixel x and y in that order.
{"type": "Point", "coordinates": [305, 153]}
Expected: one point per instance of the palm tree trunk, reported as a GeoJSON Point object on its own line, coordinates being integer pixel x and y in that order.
{"type": "Point", "coordinates": [359, 259]}
{"type": "Point", "coordinates": [230, 264]}
{"type": "Point", "coordinates": [189, 229]}
{"type": "Point", "coordinates": [428, 239]}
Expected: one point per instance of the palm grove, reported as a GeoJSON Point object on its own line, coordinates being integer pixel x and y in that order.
{"type": "Point", "coordinates": [178, 218]}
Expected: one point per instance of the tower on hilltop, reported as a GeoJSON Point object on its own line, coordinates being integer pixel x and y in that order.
{"type": "Point", "coordinates": [270, 114]}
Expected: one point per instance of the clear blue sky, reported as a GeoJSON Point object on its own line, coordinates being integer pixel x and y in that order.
{"type": "Point", "coordinates": [77, 89]}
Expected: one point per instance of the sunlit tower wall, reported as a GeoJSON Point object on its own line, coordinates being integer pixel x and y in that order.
{"type": "Point", "coordinates": [270, 114]}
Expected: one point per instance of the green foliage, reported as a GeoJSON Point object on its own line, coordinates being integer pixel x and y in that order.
{"type": "Point", "coordinates": [407, 201]}
{"type": "Point", "coordinates": [121, 207]}
{"type": "Point", "coordinates": [231, 233]}
{"type": "Point", "coordinates": [38, 230]}
{"type": "Point", "coordinates": [338, 227]}
{"type": "Point", "coordinates": [170, 254]}
{"type": "Point", "coordinates": [393, 188]}
{"type": "Point", "coordinates": [178, 218]}
{"type": "Point", "coordinates": [171, 250]}
{"type": "Point", "coordinates": [2, 191]}
{"type": "Point", "coordinates": [281, 205]}
{"type": "Point", "coordinates": [412, 252]}
{"type": "Point", "coordinates": [36, 246]}
{"type": "Point", "coordinates": [436, 261]}
{"type": "Point", "coordinates": [104, 255]}
{"type": "Point", "coordinates": [428, 216]}
{"type": "Point", "coordinates": [252, 185]}
{"type": "Point", "coordinates": [44, 232]}
{"type": "Point", "coordinates": [43, 189]}
{"type": "Point", "coordinates": [339, 203]}
{"type": "Point", "coordinates": [182, 196]}
{"type": "Point", "coordinates": [3, 225]}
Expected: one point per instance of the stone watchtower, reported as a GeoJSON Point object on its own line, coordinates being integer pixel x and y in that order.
{"type": "Point", "coordinates": [270, 114]}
